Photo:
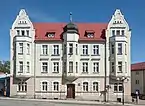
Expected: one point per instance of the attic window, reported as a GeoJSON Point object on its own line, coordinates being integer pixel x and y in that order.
{"type": "Point", "coordinates": [90, 34]}
{"type": "Point", "coordinates": [50, 34]}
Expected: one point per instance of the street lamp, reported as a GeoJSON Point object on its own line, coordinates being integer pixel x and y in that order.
{"type": "Point", "coordinates": [122, 79]}
{"type": "Point", "coordinates": [5, 91]}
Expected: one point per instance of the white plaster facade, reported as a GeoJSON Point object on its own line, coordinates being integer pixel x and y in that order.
{"type": "Point", "coordinates": [30, 83]}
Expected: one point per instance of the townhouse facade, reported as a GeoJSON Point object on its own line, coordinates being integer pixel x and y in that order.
{"type": "Point", "coordinates": [70, 60]}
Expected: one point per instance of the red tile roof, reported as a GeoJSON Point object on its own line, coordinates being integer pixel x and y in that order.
{"type": "Point", "coordinates": [43, 28]}
{"type": "Point", "coordinates": [138, 66]}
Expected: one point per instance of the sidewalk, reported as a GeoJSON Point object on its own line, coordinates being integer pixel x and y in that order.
{"type": "Point", "coordinates": [69, 101]}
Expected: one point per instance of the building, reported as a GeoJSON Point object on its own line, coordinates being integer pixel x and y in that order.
{"type": "Point", "coordinates": [74, 60]}
{"type": "Point", "coordinates": [137, 78]}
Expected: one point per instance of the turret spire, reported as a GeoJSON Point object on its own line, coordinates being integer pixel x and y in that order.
{"type": "Point", "coordinates": [70, 16]}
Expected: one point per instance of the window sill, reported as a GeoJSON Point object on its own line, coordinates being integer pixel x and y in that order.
{"type": "Point", "coordinates": [55, 55]}
{"type": "Point", "coordinates": [21, 91]}
{"type": "Point", "coordinates": [55, 72]}
{"type": "Point", "coordinates": [95, 55]}
{"type": "Point", "coordinates": [95, 72]}
{"type": "Point", "coordinates": [84, 55]}
{"type": "Point", "coordinates": [43, 54]}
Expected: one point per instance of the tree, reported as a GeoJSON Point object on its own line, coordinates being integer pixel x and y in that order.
{"type": "Point", "coordinates": [5, 66]}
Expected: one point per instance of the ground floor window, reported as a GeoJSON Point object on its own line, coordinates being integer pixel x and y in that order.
{"type": "Point", "coordinates": [44, 86]}
{"type": "Point", "coordinates": [85, 86]}
{"type": "Point", "coordinates": [56, 86]}
{"type": "Point", "coordinates": [22, 86]}
{"type": "Point", "coordinates": [118, 87]}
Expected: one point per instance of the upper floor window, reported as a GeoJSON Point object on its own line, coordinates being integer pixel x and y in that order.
{"type": "Point", "coordinates": [44, 86]}
{"type": "Point", "coordinates": [122, 32]}
{"type": "Point", "coordinates": [76, 67]}
{"type": "Point", "coordinates": [95, 86]}
{"type": "Point", "coordinates": [55, 49]}
{"type": "Point", "coordinates": [28, 67]}
{"type": "Point", "coordinates": [70, 67]}
{"type": "Point", "coordinates": [113, 32]}
{"type": "Point", "coordinates": [120, 67]}
{"type": "Point", "coordinates": [113, 67]}
{"type": "Point", "coordinates": [90, 35]}
{"type": "Point", "coordinates": [117, 32]}
{"type": "Point", "coordinates": [76, 49]}
{"type": "Point", "coordinates": [85, 67]}
{"type": "Point", "coordinates": [56, 86]}
{"type": "Point", "coordinates": [95, 49]}
{"type": "Point", "coordinates": [95, 67]}
{"type": "Point", "coordinates": [51, 34]}
{"type": "Point", "coordinates": [55, 67]}
{"type": "Point", "coordinates": [28, 48]}
{"type": "Point", "coordinates": [70, 48]}
{"type": "Point", "coordinates": [44, 49]}
{"type": "Point", "coordinates": [20, 48]}
{"type": "Point", "coordinates": [85, 49]}
{"type": "Point", "coordinates": [119, 48]}
{"type": "Point", "coordinates": [112, 48]}
{"type": "Point", "coordinates": [44, 67]}
{"type": "Point", "coordinates": [23, 32]}
{"type": "Point", "coordinates": [22, 86]}
{"type": "Point", "coordinates": [27, 32]}
{"type": "Point", "coordinates": [20, 67]}
{"type": "Point", "coordinates": [85, 86]}
{"type": "Point", "coordinates": [18, 32]}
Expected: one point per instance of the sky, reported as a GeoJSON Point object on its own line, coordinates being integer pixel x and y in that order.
{"type": "Point", "coordinates": [82, 10]}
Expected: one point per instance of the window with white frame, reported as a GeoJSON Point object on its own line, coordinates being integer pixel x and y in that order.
{"type": "Point", "coordinates": [70, 67]}
{"type": "Point", "coordinates": [119, 48]}
{"type": "Point", "coordinates": [120, 67]}
{"type": "Point", "coordinates": [28, 48]}
{"type": "Point", "coordinates": [27, 32]}
{"type": "Point", "coordinates": [20, 48]}
{"type": "Point", "coordinates": [85, 67]}
{"type": "Point", "coordinates": [18, 32]}
{"type": "Point", "coordinates": [76, 49]}
{"type": "Point", "coordinates": [113, 32]}
{"type": "Point", "coordinates": [70, 48]}
{"type": "Point", "coordinates": [44, 49]}
{"type": "Point", "coordinates": [28, 67]}
{"type": "Point", "coordinates": [85, 86]}
{"type": "Point", "coordinates": [95, 86]}
{"type": "Point", "coordinates": [117, 32]}
{"type": "Point", "coordinates": [44, 67]}
{"type": "Point", "coordinates": [56, 86]}
{"type": "Point", "coordinates": [55, 67]}
{"type": "Point", "coordinates": [112, 48]}
{"type": "Point", "coordinates": [23, 32]}
{"type": "Point", "coordinates": [85, 49]}
{"type": "Point", "coordinates": [118, 87]}
{"type": "Point", "coordinates": [76, 67]}
{"type": "Point", "coordinates": [122, 32]}
{"type": "Point", "coordinates": [44, 86]}
{"type": "Point", "coordinates": [51, 34]}
{"type": "Point", "coordinates": [96, 67]}
{"type": "Point", "coordinates": [55, 49]}
{"type": "Point", "coordinates": [95, 49]}
{"type": "Point", "coordinates": [22, 86]}
{"type": "Point", "coordinates": [20, 66]}
{"type": "Point", "coordinates": [113, 67]}
{"type": "Point", "coordinates": [90, 35]}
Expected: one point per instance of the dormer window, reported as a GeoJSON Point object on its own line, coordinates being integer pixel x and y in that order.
{"type": "Point", "coordinates": [89, 34]}
{"type": "Point", "coordinates": [50, 34]}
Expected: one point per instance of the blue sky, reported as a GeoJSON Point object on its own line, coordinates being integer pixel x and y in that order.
{"type": "Point", "coordinates": [83, 11]}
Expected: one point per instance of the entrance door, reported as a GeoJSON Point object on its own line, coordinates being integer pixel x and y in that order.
{"type": "Point", "coordinates": [70, 90]}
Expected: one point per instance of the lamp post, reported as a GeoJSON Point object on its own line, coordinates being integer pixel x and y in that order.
{"type": "Point", "coordinates": [122, 79]}
{"type": "Point", "coordinates": [5, 91]}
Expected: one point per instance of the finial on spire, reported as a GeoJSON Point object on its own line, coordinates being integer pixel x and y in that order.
{"type": "Point", "coordinates": [70, 16]}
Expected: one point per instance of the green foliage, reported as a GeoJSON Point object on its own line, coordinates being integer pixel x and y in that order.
{"type": "Point", "coordinates": [5, 66]}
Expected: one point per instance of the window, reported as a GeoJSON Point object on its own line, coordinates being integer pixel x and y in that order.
{"type": "Point", "coordinates": [136, 81]}
{"type": "Point", "coordinates": [21, 48]}
{"type": "Point", "coordinates": [76, 67]}
{"type": "Point", "coordinates": [51, 34]}
{"type": "Point", "coordinates": [85, 67]}
{"type": "Point", "coordinates": [85, 49]}
{"type": "Point", "coordinates": [96, 67]}
{"type": "Point", "coordinates": [28, 67]}
{"type": "Point", "coordinates": [70, 48]}
{"type": "Point", "coordinates": [44, 49]}
{"type": "Point", "coordinates": [118, 87]}
{"type": "Point", "coordinates": [119, 48]}
{"type": "Point", "coordinates": [113, 68]}
{"type": "Point", "coordinates": [95, 49]}
{"type": "Point", "coordinates": [112, 48]}
{"type": "Point", "coordinates": [56, 86]}
{"type": "Point", "coordinates": [85, 86]}
{"type": "Point", "coordinates": [27, 31]}
{"type": "Point", "coordinates": [90, 35]}
{"type": "Point", "coordinates": [44, 86]}
{"type": "Point", "coordinates": [76, 49]}
{"type": "Point", "coordinates": [64, 49]}
{"type": "Point", "coordinates": [122, 32]}
{"type": "Point", "coordinates": [113, 32]}
{"type": "Point", "coordinates": [56, 67]}
{"type": "Point", "coordinates": [23, 32]}
{"type": "Point", "coordinates": [22, 86]}
{"type": "Point", "coordinates": [18, 32]}
{"type": "Point", "coordinates": [44, 67]}
{"type": "Point", "coordinates": [95, 86]}
{"type": "Point", "coordinates": [70, 67]}
{"type": "Point", "coordinates": [28, 48]}
{"type": "Point", "coordinates": [55, 49]}
{"type": "Point", "coordinates": [20, 67]}
{"type": "Point", "coordinates": [120, 67]}
{"type": "Point", "coordinates": [125, 49]}
{"type": "Point", "coordinates": [118, 32]}
{"type": "Point", "coordinates": [137, 73]}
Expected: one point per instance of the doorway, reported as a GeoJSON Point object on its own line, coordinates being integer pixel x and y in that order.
{"type": "Point", "coordinates": [71, 91]}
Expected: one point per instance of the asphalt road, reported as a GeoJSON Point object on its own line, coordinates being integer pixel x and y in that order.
{"type": "Point", "coordinates": [44, 103]}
